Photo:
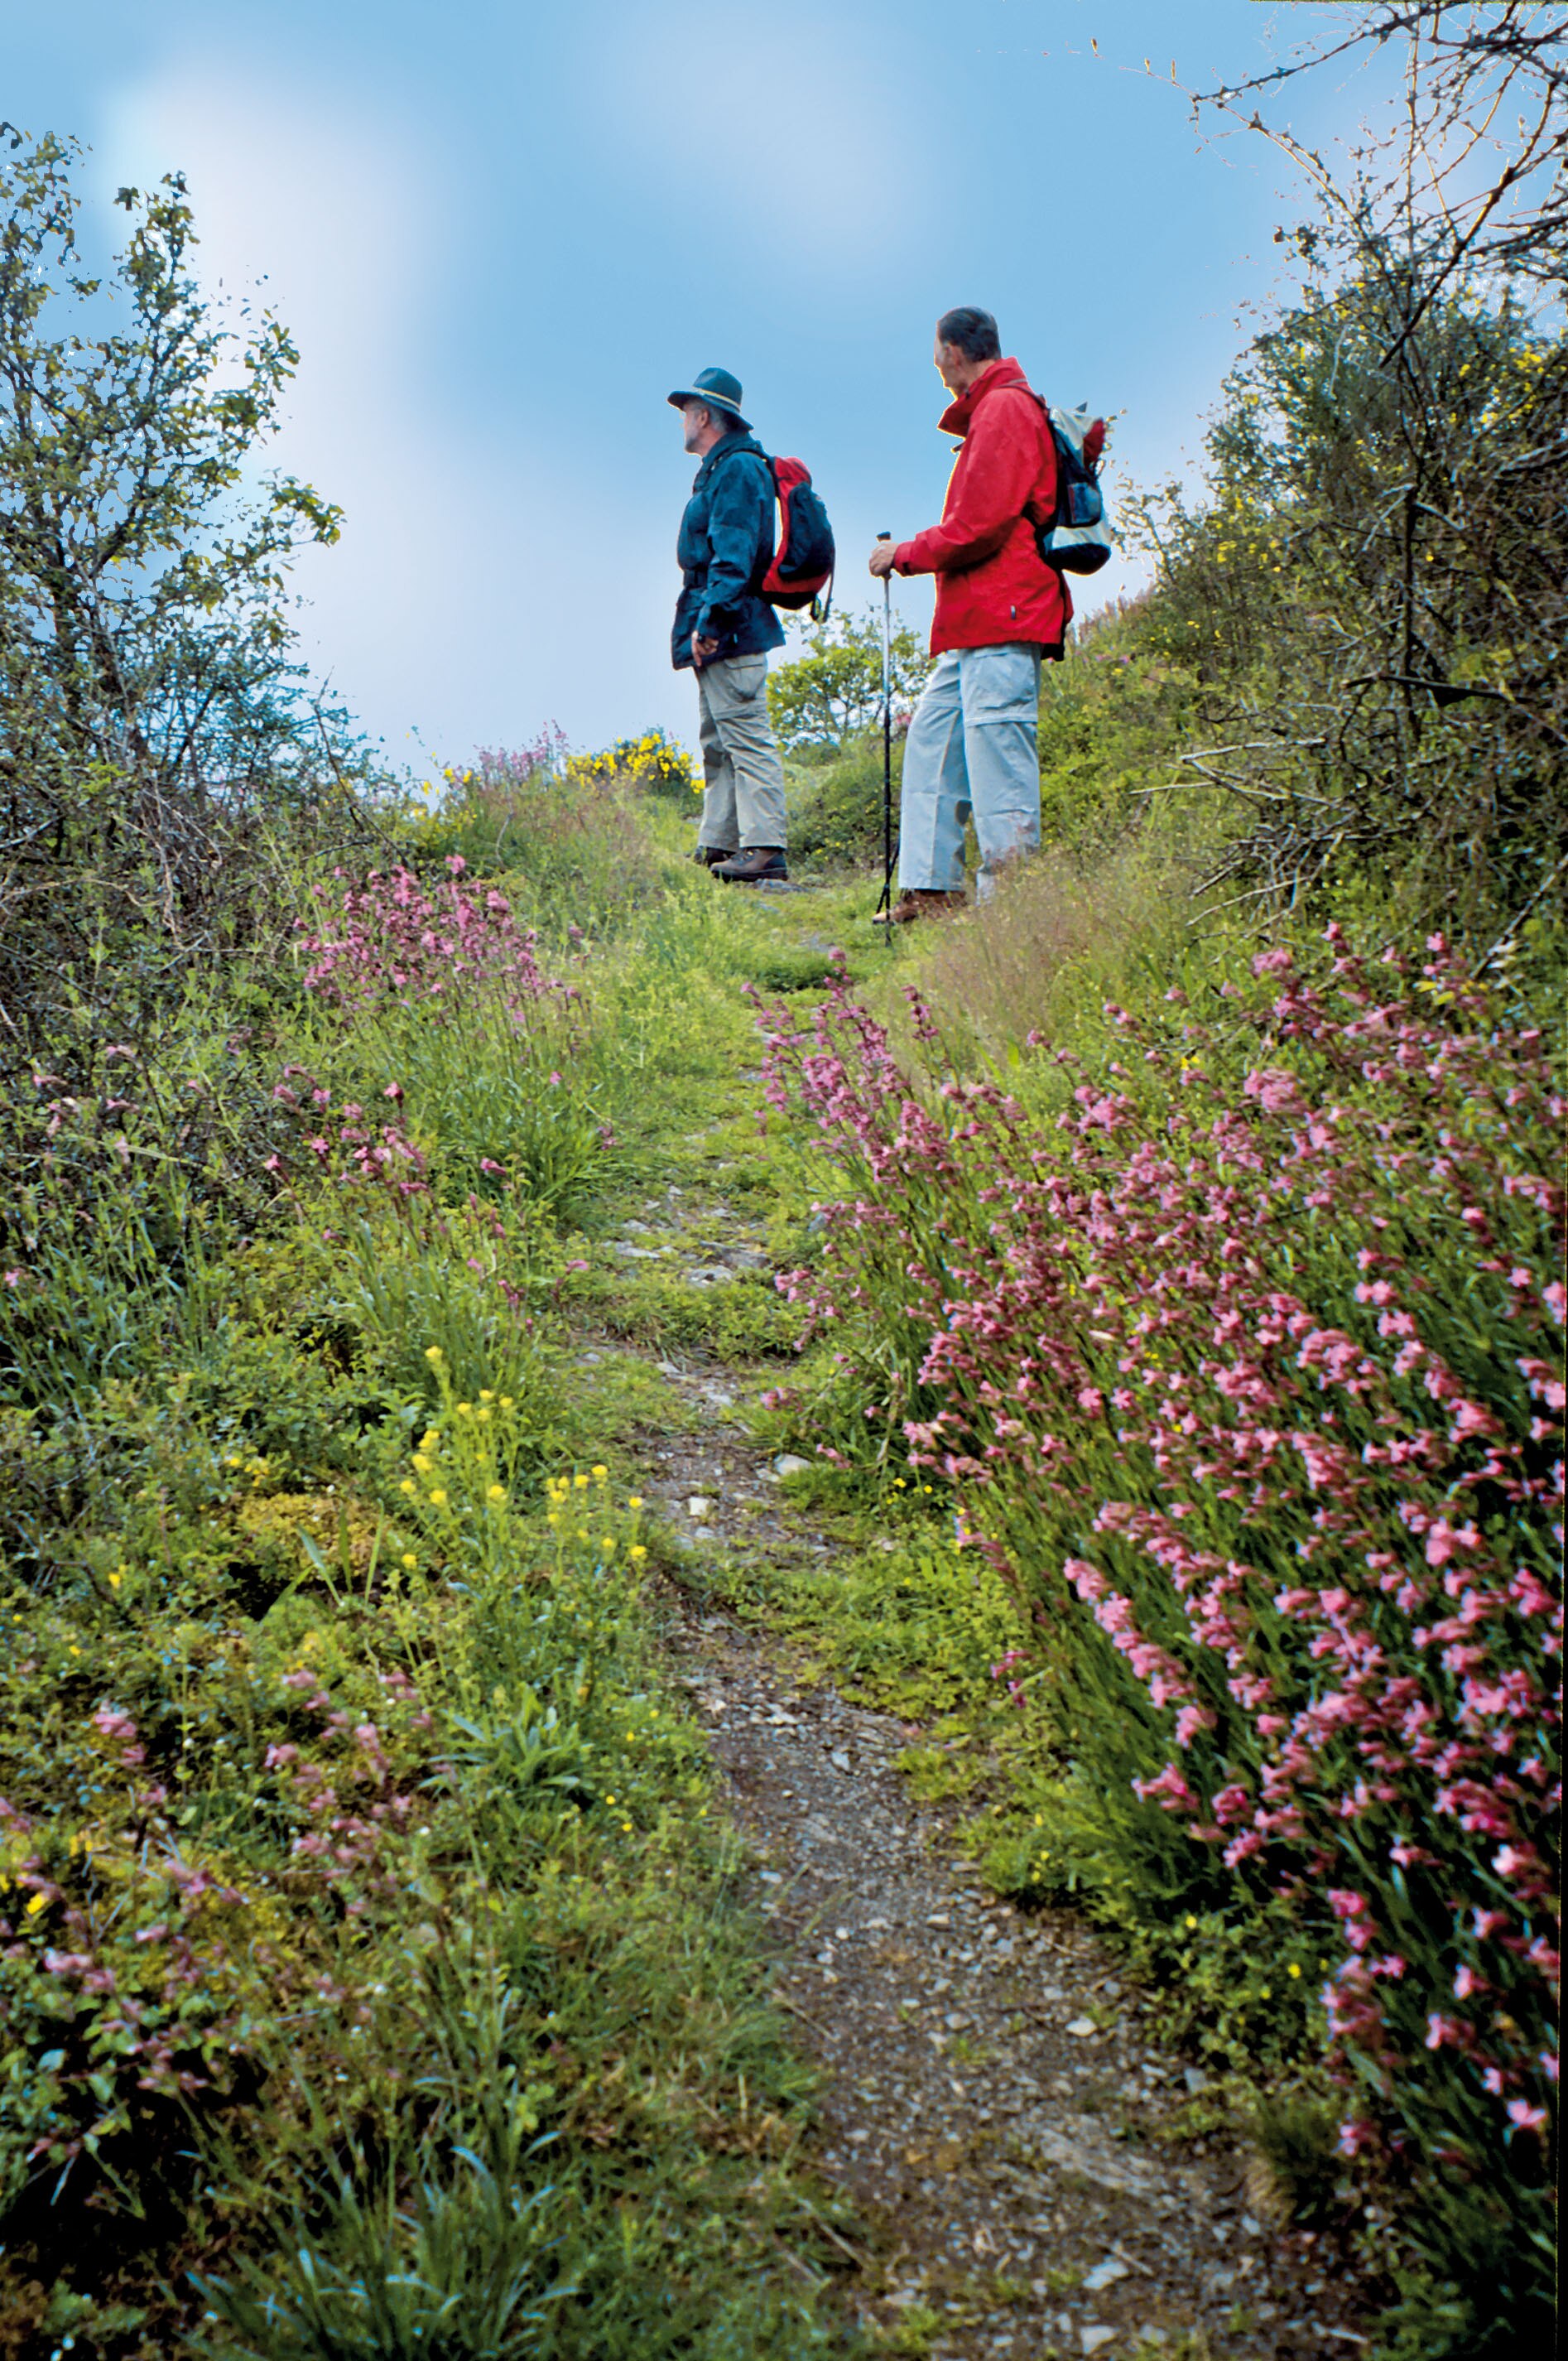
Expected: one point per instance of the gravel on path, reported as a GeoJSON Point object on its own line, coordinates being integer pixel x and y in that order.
{"type": "Point", "coordinates": [991, 2106]}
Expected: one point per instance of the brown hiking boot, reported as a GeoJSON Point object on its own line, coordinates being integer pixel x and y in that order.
{"type": "Point", "coordinates": [759, 864]}
{"type": "Point", "coordinates": [708, 856]}
{"type": "Point", "coordinates": [920, 902]}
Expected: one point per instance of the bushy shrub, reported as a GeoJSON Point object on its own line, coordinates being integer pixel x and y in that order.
{"type": "Point", "coordinates": [835, 806]}
{"type": "Point", "coordinates": [1368, 601]}
{"type": "Point", "coordinates": [826, 693]}
{"type": "Point", "coordinates": [161, 751]}
{"type": "Point", "coordinates": [1244, 1360]}
{"type": "Point", "coordinates": [656, 764]}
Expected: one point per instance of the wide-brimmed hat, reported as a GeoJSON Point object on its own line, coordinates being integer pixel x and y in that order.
{"type": "Point", "coordinates": [716, 386]}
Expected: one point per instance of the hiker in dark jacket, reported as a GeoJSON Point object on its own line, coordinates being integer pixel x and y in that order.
{"type": "Point", "coordinates": [723, 631]}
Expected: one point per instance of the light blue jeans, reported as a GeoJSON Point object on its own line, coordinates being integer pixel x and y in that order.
{"type": "Point", "coordinates": [971, 749]}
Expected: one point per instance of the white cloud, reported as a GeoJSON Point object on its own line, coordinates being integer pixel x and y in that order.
{"type": "Point", "coordinates": [435, 609]}
{"type": "Point", "coordinates": [323, 219]}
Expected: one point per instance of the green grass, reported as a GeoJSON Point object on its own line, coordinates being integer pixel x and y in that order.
{"type": "Point", "coordinates": [506, 2080]}
{"type": "Point", "coordinates": [496, 2073]}
{"type": "Point", "coordinates": [504, 2074]}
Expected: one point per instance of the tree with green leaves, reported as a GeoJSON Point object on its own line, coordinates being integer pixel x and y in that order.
{"type": "Point", "coordinates": [152, 721]}
{"type": "Point", "coordinates": [1374, 595]}
{"type": "Point", "coordinates": [830, 694]}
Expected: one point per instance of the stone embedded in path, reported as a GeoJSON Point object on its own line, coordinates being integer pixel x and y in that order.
{"type": "Point", "coordinates": [741, 1258]}
{"type": "Point", "coordinates": [790, 1462]}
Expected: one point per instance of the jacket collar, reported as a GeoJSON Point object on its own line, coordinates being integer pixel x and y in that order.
{"type": "Point", "coordinates": [956, 418]}
{"type": "Point", "coordinates": [738, 439]}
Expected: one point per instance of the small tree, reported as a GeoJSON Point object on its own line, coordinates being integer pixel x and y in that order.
{"type": "Point", "coordinates": [1373, 596]}
{"type": "Point", "coordinates": [823, 699]}
{"type": "Point", "coordinates": [152, 721]}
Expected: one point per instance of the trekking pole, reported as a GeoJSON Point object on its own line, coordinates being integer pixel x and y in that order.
{"type": "Point", "coordinates": [886, 901]}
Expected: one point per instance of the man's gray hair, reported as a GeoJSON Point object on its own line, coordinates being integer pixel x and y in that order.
{"type": "Point", "coordinates": [971, 333]}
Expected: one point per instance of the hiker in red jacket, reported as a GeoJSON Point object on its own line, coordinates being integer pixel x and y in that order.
{"type": "Point", "coordinates": [1000, 609]}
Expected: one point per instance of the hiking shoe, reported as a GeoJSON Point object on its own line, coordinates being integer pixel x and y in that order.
{"type": "Point", "coordinates": [920, 902]}
{"type": "Point", "coordinates": [708, 856]}
{"type": "Point", "coordinates": [759, 864]}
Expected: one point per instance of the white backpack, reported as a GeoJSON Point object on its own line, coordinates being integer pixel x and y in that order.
{"type": "Point", "coordinates": [1075, 538]}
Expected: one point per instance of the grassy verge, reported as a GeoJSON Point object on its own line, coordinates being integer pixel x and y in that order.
{"type": "Point", "coordinates": [372, 1977]}
{"type": "Point", "coordinates": [1155, 1267]}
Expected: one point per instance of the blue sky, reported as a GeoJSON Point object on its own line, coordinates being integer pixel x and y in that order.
{"type": "Point", "coordinates": [502, 233]}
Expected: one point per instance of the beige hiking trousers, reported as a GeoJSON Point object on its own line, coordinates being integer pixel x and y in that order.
{"type": "Point", "coordinates": [743, 801]}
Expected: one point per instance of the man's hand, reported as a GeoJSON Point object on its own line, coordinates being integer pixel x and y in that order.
{"type": "Point", "coordinates": [882, 560]}
{"type": "Point", "coordinates": [702, 650]}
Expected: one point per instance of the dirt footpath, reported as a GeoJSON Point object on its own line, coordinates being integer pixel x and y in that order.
{"type": "Point", "coordinates": [1005, 2129]}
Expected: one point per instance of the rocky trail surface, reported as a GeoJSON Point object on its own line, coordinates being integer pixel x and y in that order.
{"type": "Point", "coordinates": [1008, 2134]}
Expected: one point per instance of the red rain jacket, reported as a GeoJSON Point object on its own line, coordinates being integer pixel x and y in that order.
{"type": "Point", "coordinates": [992, 586]}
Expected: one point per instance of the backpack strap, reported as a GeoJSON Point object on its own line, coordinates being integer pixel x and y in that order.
{"type": "Point", "coordinates": [1047, 518]}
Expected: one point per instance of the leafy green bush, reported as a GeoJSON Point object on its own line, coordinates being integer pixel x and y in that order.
{"type": "Point", "coordinates": [835, 807]}
{"type": "Point", "coordinates": [1368, 602]}
{"type": "Point", "coordinates": [161, 752]}
{"type": "Point", "coordinates": [827, 699]}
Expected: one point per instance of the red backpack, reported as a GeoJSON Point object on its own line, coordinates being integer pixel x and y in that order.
{"type": "Point", "coordinates": [804, 555]}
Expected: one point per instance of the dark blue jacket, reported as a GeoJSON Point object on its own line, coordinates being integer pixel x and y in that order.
{"type": "Point", "coordinates": [726, 546]}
